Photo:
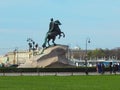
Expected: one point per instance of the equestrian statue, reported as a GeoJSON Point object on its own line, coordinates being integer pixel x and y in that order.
{"type": "Point", "coordinates": [53, 32]}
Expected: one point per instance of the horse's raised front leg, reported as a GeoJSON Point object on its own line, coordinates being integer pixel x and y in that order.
{"type": "Point", "coordinates": [63, 34]}
{"type": "Point", "coordinates": [59, 36]}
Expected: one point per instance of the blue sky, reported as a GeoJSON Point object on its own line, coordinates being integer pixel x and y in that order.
{"type": "Point", "coordinates": [97, 19]}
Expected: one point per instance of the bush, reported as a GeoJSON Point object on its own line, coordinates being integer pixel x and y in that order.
{"type": "Point", "coordinates": [75, 69]}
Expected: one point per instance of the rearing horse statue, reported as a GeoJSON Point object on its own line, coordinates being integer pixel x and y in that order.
{"type": "Point", "coordinates": [52, 35]}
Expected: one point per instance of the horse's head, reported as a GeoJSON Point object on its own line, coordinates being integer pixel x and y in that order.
{"type": "Point", "coordinates": [57, 22]}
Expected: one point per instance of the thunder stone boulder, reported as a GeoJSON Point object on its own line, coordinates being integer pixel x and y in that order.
{"type": "Point", "coordinates": [54, 56]}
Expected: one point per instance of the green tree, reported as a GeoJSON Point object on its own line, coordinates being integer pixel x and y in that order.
{"type": "Point", "coordinates": [96, 54]}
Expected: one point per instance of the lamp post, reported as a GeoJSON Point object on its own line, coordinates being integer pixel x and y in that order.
{"type": "Point", "coordinates": [14, 60]}
{"type": "Point", "coordinates": [86, 55]}
{"type": "Point", "coordinates": [15, 56]}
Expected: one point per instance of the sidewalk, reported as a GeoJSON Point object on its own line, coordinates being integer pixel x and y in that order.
{"type": "Point", "coordinates": [55, 73]}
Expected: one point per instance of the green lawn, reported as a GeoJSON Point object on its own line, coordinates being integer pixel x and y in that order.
{"type": "Point", "coordinates": [105, 82]}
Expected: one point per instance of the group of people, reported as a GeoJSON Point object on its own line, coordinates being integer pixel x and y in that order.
{"type": "Point", "coordinates": [113, 68]}
{"type": "Point", "coordinates": [100, 68]}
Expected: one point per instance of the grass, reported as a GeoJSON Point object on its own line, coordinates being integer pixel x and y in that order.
{"type": "Point", "coordinates": [105, 82]}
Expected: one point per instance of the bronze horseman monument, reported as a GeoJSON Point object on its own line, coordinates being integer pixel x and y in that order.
{"type": "Point", "coordinates": [51, 55]}
{"type": "Point", "coordinates": [54, 31]}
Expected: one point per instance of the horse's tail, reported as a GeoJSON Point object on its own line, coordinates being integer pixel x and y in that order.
{"type": "Point", "coordinates": [45, 41]}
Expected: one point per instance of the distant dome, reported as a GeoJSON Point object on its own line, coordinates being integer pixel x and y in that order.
{"type": "Point", "coordinates": [77, 48]}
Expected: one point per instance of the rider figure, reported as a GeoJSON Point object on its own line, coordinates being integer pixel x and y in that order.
{"type": "Point", "coordinates": [51, 26]}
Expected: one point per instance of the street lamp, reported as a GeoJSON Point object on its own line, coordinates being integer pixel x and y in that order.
{"type": "Point", "coordinates": [30, 43]}
{"type": "Point", "coordinates": [32, 46]}
{"type": "Point", "coordinates": [86, 56]}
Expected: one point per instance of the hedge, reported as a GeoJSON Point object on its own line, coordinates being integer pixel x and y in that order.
{"type": "Point", "coordinates": [76, 69]}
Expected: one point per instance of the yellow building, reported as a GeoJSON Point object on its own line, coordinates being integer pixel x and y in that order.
{"type": "Point", "coordinates": [16, 57]}
{"type": "Point", "coordinates": [19, 57]}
